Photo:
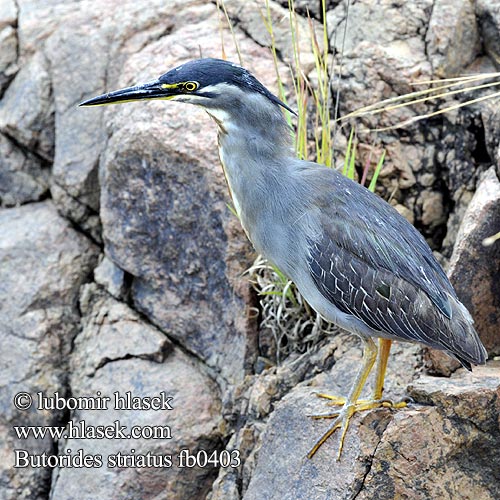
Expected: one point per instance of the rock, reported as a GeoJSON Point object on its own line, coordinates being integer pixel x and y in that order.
{"type": "Point", "coordinates": [439, 363]}
{"type": "Point", "coordinates": [111, 277]}
{"type": "Point", "coordinates": [250, 14]}
{"type": "Point", "coordinates": [445, 450]}
{"type": "Point", "coordinates": [465, 159]}
{"type": "Point", "coordinates": [290, 432]}
{"type": "Point", "coordinates": [43, 262]}
{"type": "Point", "coordinates": [27, 109]}
{"type": "Point", "coordinates": [86, 32]}
{"type": "Point", "coordinates": [274, 448]}
{"type": "Point", "coordinates": [75, 186]}
{"type": "Point", "coordinates": [407, 214]}
{"type": "Point", "coordinates": [8, 42]}
{"type": "Point", "coordinates": [283, 469]}
{"type": "Point", "coordinates": [381, 62]}
{"type": "Point", "coordinates": [488, 19]}
{"type": "Point", "coordinates": [404, 161]}
{"type": "Point", "coordinates": [474, 268]}
{"type": "Point", "coordinates": [453, 39]}
{"type": "Point", "coordinates": [23, 176]}
{"type": "Point", "coordinates": [306, 8]}
{"type": "Point", "coordinates": [184, 269]}
{"type": "Point", "coordinates": [76, 210]}
{"type": "Point", "coordinates": [491, 119]}
{"type": "Point", "coordinates": [8, 13]}
{"type": "Point", "coordinates": [8, 56]}
{"type": "Point", "coordinates": [417, 452]}
{"type": "Point", "coordinates": [231, 481]}
{"type": "Point", "coordinates": [467, 396]}
{"type": "Point", "coordinates": [433, 214]}
{"type": "Point", "coordinates": [370, 29]}
{"type": "Point", "coordinates": [121, 334]}
{"type": "Point", "coordinates": [32, 33]}
{"type": "Point", "coordinates": [117, 352]}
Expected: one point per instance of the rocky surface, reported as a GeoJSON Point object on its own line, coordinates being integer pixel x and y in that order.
{"type": "Point", "coordinates": [121, 264]}
{"type": "Point", "coordinates": [278, 466]}
{"type": "Point", "coordinates": [23, 177]}
{"type": "Point", "coordinates": [43, 263]}
{"type": "Point", "coordinates": [475, 265]}
{"type": "Point", "coordinates": [435, 448]}
{"type": "Point", "coordinates": [117, 351]}
{"type": "Point", "coordinates": [475, 268]}
{"type": "Point", "coordinates": [27, 109]}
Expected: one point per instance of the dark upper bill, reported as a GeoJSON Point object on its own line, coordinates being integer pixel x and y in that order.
{"type": "Point", "coordinates": [151, 90]}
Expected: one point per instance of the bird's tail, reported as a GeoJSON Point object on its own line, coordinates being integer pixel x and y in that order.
{"type": "Point", "coordinates": [464, 342]}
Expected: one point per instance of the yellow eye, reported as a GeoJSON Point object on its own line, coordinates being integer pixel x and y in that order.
{"type": "Point", "coordinates": [190, 86]}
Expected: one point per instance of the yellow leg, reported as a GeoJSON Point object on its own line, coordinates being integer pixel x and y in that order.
{"type": "Point", "coordinates": [344, 415]}
{"type": "Point", "coordinates": [352, 403]}
{"type": "Point", "coordinates": [384, 348]}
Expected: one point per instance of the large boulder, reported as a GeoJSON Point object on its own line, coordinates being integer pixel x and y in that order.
{"type": "Point", "coordinates": [118, 353]}
{"type": "Point", "coordinates": [43, 262]}
{"type": "Point", "coordinates": [441, 446]}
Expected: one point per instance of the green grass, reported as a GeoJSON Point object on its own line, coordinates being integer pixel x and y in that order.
{"type": "Point", "coordinates": [312, 103]}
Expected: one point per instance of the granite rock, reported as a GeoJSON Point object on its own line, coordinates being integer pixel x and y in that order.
{"type": "Point", "coordinates": [43, 262]}
{"type": "Point", "coordinates": [118, 353]}
{"type": "Point", "coordinates": [435, 448]}
{"type": "Point", "coordinates": [453, 38]}
{"type": "Point", "coordinates": [475, 267]}
{"type": "Point", "coordinates": [23, 176]}
{"type": "Point", "coordinates": [27, 108]}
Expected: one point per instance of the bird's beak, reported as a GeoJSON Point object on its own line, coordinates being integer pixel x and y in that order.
{"type": "Point", "coordinates": [150, 90]}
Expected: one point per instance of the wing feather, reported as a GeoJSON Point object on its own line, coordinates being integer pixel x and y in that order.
{"type": "Point", "coordinates": [351, 285]}
{"type": "Point", "coordinates": [369, 262]}
{"type": "Point", "coordinates": [367, 227]}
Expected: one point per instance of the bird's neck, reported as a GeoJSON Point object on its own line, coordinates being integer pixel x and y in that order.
{"type": "Point", "coordinates": [253, 147]}
{"type": "Point", "coordinates": [256, 128]}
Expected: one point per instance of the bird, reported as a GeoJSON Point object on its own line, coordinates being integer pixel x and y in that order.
{"type": "Point", "coordinates": [357, 262]}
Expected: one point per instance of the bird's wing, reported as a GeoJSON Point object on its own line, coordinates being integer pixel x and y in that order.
{"type": "Point", "coordinates": [371, 263]}
{"type": "Point", "coordinates": [377, 297]}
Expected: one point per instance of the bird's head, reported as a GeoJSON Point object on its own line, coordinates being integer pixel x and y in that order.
{"type": "Point", "coordinates": [214, 84]}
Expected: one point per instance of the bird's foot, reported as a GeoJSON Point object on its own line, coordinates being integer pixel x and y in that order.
{"type": "Point", "coordinates": [343, 416]}
{"type": "Point", "coordinates": [362, 404]}
{"type": "Point", "coordinates": [341, 421]}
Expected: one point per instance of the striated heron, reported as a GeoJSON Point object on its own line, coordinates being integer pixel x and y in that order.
{"type": "Point", "coordinates": [353, 257]}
